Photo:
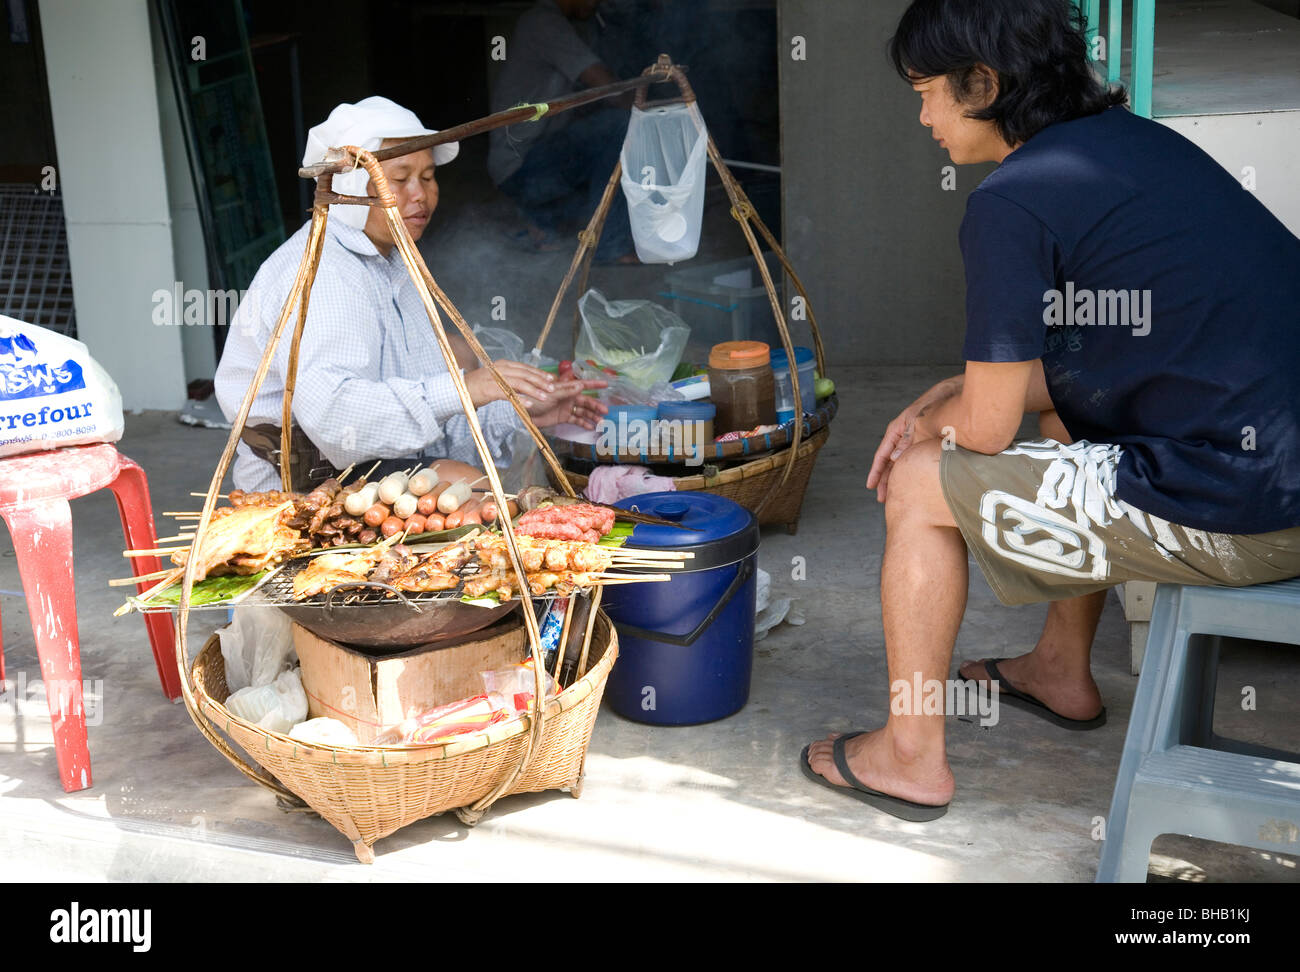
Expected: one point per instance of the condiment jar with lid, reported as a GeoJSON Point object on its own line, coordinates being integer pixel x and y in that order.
{"type": "Point", "coordinates": [741, 386]}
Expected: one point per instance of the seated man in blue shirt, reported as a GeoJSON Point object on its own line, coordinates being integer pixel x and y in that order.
{"type": "Point", "coordinates": [1124, 287]}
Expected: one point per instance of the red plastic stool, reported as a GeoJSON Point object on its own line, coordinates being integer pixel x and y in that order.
{"type": "Point", "coordinates": [34, 494]}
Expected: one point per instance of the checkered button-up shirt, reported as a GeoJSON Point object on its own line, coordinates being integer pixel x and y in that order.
{"type": "Point", "coordinates": [372, 382]}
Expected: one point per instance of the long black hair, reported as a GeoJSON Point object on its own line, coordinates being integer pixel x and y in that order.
{"type": "Point", "coordinates": [1038, 49]}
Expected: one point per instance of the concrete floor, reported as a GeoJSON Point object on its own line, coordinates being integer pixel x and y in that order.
{"type": "Point", "coordinates": [718, 802]}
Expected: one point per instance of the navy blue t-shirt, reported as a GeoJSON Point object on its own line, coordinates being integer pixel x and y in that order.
{"type": "Point", "coordinates": [1164, 302]}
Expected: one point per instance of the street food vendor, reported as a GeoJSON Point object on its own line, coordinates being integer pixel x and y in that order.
{"type": "Point", "coordinates": [1124, 289]}
{"type": "Point", "coordinates": [372, 382]}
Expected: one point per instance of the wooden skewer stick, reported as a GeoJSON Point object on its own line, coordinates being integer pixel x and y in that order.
{"type": "Point", "coordinates": [344, 474]}
{"type": "Point", "coordinates": [606, 580]}
{"type": "Point", "coordinates": [644, 553]}
{"type": "Point", "coordinates": [563, 646]}
{"type": "Point", "coordinates": [219, 495]}
{"type": "Point", "coordinates": [194, 516]}
{"type": "Point", "coordinates": [153, 551]}
{"type": "Point", "coordinates": [177, 538]}
{"type": "Point", "coordinates": [660, 564]}
{"type": "Point", "coordinates": [586, 639]}
{"type": "Point", "coordinates": [370, 471]}
{"type": "Point", "coordinates": [131, 581]}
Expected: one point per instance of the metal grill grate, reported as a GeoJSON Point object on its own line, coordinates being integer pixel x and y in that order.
{"type": "Point", "coordinates": [278, 590]}
{"type": "Point", "coordinates": [35, 279]}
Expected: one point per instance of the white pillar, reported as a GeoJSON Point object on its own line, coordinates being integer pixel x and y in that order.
{"type": "Point", "coordinates": [100, 65]}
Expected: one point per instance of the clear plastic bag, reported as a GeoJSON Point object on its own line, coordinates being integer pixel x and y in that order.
{"type": "Point", "coordinates": [500, 344]}
{"type": "Point", "coordinates": [638, 338]}
{"type": "Point", "coordinates": [256, 646]}
{"type": "Point", "coordinates": [513, 689]}
{"type": "Point", "coordinates": [664, 156]}
{"type": "Point", "coordinates": [277, 707]}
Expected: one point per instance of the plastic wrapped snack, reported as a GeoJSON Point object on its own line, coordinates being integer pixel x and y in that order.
{"type": "Point", "coordinates": [443, 722]}
{"type": "Point", "coordinates": [513, 688]}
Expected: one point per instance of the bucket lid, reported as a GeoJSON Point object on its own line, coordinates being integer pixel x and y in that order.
{"type": "Point", "coordinates": [735, 355]}
{"type": "Point", "coordinates": [727, 532]}
{"type": "Point", "coordinates": [630, 412]}
{"type": "Point", "coordinates": [802, 356]}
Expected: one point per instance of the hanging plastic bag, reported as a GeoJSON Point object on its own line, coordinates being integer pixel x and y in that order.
{"type": "Point", "coordinates": [664, 156]}
{"type": "Point", "coordinates": [52, 392]}
{"type": "Point", "coordinates": [638, 338]}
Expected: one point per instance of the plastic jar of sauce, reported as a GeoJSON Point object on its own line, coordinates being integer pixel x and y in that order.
{"type": "Point", "coordinates": [741, 386]}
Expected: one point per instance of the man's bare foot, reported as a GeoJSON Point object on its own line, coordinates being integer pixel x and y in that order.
{"type": "Point", "coordinates": [877, 763]}
{"type": "Point", "coordinates": [1069, 696]}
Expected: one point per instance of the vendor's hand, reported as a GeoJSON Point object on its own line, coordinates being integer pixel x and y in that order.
{"type": "Point", "coordinates": [571, 405]}
{"type": "Point", "coordinates": [533, 386]}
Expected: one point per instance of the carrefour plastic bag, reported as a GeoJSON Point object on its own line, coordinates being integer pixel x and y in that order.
{"type": "Point", "coordinates": [638, 338]}
{"type": "Point", "coordinates": [52, 392]}
{"type": "Point", "coordinates": [664, 156]}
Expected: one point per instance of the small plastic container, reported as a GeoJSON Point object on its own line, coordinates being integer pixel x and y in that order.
{"type": "Point", "coordinates": [626, 428]}
{"type": "Point", "coordinates": [693, 388]}
{"type": "Point", "coordinates": [806, 361]}
{"type": "Point", "coordinates": [742, 386]}
{"type": "Point", "coordinates": [688, 426]}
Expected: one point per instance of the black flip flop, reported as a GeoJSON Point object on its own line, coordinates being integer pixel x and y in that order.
{"type": "Point", "coordinates": [897, 806]}
{"type": "Point", "coordinates": [1012, 696]}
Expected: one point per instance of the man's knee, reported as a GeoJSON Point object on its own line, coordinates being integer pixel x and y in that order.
{"type": "Point", "coordinates": [914, 484]}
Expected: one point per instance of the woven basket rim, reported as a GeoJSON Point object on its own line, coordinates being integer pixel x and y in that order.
{"type": "Point", "coordinates": [755, 467]}
{"type": "Point", "coordinates": [416, 753]}
{"type": "Point", "coordinates": [772, 442]}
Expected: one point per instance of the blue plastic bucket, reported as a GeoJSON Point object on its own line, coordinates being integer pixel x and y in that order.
{"type": "Point", "coordinates": [686, 646]}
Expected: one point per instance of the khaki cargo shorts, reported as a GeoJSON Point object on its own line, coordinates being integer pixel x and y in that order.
{"type": "Point", "coordinates": [1043, 523]}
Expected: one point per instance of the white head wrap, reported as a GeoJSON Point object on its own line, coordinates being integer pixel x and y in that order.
{"type": "Point", "coordinates": [365, 125]}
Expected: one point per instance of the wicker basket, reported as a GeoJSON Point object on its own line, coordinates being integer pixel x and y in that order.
{"type": "Point", "coordinates": [749, 484]}
{"type": "Point", "coordinates": [367, 793]}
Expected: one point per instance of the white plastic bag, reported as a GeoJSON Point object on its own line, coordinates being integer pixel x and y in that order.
{"type": "Point", "coordinates": [257, 646]}
{"type": "Point", "coordinates": [329, 732]}
{"type": "Point", "coordinates": [638, 338]}
{"type": "Point", "coordinates": [664, 156]}
{"type": "Point", "coordinates": [52, 392]}
{"type": "Point", "coordinates": [770, 611]}
{"type": "Point", "coordinates": [277, 707]}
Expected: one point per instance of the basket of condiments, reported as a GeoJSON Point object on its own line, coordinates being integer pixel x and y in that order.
{"type": "Point", "coordinates": [728, 430]}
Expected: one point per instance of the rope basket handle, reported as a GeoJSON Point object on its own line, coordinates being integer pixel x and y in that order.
{"type": "Point", "coordinates": [742, 210]}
